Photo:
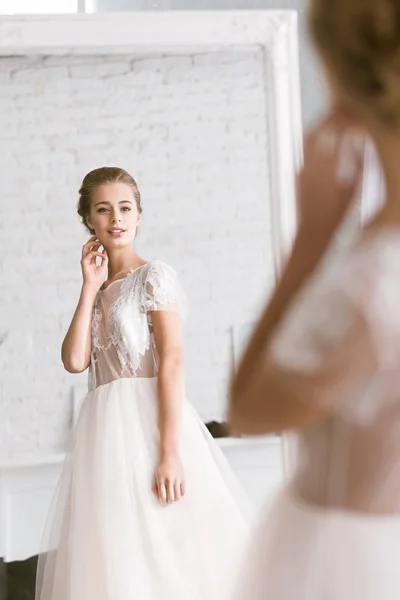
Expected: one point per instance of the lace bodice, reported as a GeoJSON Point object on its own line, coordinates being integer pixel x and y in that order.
{"type": "Point", "coordinates": [123, 342]}
{"type": "Point", "coordinates": [339, 348]}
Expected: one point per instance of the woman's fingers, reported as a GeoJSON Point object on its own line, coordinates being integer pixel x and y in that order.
{"type": "Point", "coordinates": [89, 246]}
{"type": "Point", "coordinates": [170, 492]}
{"type": "Point", "coordinates": [167, 491]}
{"type": "Point", "coordinates": [177, 491]}
{"type": "Point", "coordinates": [183, 488]}
{"type": "Point", "coordinates": [92, 255]}
{"type": "Point", "coordinates": [162, 491]}
{"type": "Point", "coordinates": [154, 487]}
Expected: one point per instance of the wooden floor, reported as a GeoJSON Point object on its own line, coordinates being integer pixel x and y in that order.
{"type": "Point", "coordinates": [17, 580]}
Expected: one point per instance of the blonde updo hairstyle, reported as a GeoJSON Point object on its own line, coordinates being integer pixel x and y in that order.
{"type": "Point", "coordinates": [359, 40]}
{"type": "Point", "coordinates": [97, 178]}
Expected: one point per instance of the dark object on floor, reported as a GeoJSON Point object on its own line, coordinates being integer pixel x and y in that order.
{"type": "Point", "coordinates": [3, 580]}
{"type": "Point", "coordinates": [218, 430]}
{"type": "Point", "coordinates": [21, 578]}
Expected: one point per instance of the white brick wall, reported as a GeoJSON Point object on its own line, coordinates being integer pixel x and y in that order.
{"type": "Point", "coordinates": [191, 129]}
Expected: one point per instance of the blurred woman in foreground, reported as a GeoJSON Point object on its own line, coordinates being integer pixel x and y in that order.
{"type": "Point", "coordinates": [325, 358]}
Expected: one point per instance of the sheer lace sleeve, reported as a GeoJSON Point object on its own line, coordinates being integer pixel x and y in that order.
{"type": "Point", "coordinates": [163, 290]}
{"type": "Point", "coordinates": [335, 337]}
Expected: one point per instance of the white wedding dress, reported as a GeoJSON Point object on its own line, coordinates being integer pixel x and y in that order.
{"type": "Point", "coordinates": [107, 537]}
{"type": "Point", "coordinates": [333, 533]}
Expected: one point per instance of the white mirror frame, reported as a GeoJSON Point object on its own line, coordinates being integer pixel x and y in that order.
{"type": "Point", "coordinates": [162, 32]}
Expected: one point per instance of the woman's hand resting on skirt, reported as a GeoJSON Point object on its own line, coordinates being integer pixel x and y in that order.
{"type": "Point", "coordinates": [168, 483]}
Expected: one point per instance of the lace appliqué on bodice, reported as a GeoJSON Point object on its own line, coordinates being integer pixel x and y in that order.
{"type": "Point", "coordinates": [96, 318]}
{"type": "Point", "coordinates": [153, 287]}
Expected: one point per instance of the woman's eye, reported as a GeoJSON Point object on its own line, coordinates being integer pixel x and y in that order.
{"type": "Point", "coordinates": [102, 210]}
{"type": "Point", "coordinates": [126, 208]}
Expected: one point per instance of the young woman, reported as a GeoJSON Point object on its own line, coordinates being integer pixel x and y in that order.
{"type": "Point", "coordinates": [325, 358]}
{"type": "Point", "coordinates": [147, 507]}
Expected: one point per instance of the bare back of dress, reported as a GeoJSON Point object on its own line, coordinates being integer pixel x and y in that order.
{"type": "Point", "coordinates": [339, 348]}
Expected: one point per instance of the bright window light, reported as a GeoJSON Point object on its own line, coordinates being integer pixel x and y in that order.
{"type": "Point", "coordinates": [30, 7]}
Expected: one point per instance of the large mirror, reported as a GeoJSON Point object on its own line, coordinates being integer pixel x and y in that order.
{"type": "Point", "coordinates": [206, 117]}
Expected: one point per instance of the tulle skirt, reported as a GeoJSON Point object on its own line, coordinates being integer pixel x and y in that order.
{"type": "Point", "coordinates": [108, 538]}
{"type": "Point", "coordinates": [307, 553]}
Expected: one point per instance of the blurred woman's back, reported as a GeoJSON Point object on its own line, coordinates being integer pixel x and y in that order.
{"type": "Point", "coordinates": [325, 359]}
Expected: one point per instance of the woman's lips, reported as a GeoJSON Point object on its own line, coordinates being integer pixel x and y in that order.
{"type": "Point", "coordinates": [116, 232]}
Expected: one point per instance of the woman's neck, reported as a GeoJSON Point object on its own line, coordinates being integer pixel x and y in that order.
{"type": "Point", "coordinates": [121, 260]}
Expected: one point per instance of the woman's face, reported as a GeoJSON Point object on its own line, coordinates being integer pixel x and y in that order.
{"type": "Point", "coordinates": [114, 215]}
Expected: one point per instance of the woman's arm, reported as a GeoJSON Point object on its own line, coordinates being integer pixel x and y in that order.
{"type": "Point", "coordinates": [77, 344]}
{"type": "Point", "coordinates": [167, 332]}
{"type": "Point", "coordinates": [169, 485]}
{"type": "Point", "coordinates": [333, 161]}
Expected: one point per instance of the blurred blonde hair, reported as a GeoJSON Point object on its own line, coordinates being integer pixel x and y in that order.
{"type": "Point", "coordinates": [359, 40]}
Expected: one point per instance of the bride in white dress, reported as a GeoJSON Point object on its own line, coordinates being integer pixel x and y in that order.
{"type": "Point", "coordinates": [325, 358]}
{"type": "Point", "coordinates": [147, 507]}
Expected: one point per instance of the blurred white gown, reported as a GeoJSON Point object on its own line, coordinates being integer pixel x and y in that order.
{"type": "Point", "coordinates": [333, 533]}
{"type": "Point", "coordinates": [107, 536]}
